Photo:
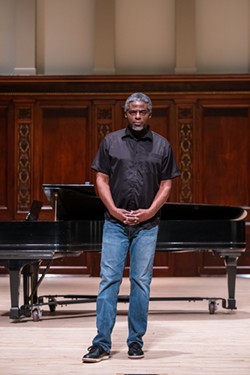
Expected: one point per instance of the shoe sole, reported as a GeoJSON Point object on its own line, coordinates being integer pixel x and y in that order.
{"type": "Point", "coordinates": [136, 356]}
{"type": "Point", "coordinates": [95, 360]}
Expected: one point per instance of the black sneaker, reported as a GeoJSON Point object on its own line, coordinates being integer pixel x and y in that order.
{"type": "Point", "coordinates": [95, 354]}
{"type": "Point", "coordinates": [135, 351]}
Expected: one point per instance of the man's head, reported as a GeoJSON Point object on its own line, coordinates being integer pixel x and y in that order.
{"type": "Point", "coordinates": [138, 110]}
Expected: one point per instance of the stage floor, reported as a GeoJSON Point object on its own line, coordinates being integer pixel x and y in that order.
{"type": "Point", "coordinates": [182, 337]}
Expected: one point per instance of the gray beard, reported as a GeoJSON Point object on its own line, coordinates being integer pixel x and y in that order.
{"type": "Point", "coordinates": [137, 128]}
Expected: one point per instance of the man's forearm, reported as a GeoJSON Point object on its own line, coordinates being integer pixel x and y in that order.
{"type": "Point", "coordinates": [102, 184]}
{"type": "Point", "coordinates": [161, 196]}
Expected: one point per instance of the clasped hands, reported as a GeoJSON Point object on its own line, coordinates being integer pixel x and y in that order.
{"type": "Point", "coordinates": [135, 217]}
{"type": "Point", "coordinates": [131, 218]}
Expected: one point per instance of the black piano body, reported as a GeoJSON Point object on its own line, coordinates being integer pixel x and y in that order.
{"type": "Point", "coordinates": [78, 228]}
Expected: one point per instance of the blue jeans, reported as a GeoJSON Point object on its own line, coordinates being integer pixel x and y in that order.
{"type": "Point", "coordinates": [116, 242]}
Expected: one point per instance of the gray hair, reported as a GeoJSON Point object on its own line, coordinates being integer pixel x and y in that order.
{"type": "Point", "coordinates": [138, 97]}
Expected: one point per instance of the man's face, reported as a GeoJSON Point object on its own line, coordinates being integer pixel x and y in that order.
{"type": "Point", "coordinates": [138, 115]}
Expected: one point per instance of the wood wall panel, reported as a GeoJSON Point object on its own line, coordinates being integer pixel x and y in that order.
{"type": "Point", "coordinates": [63, 139]}
{"type": "Point", "coordinates": [51, 127]}
{"type": "Point", "coordinates": [7, 191]}
{"type": "Point", "coordinates": [223, 152]}
{"type": "Point", "coordinates": [4, 159]}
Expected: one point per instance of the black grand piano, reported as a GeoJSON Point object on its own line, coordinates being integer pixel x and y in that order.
{"type": "Point", "coordinates": [78, 228]}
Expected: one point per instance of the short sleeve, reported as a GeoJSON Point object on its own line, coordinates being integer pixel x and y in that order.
{"type": "Point", "coordinates": [169, 166]}
{"type": "Point", "coordinates": [101, 162]}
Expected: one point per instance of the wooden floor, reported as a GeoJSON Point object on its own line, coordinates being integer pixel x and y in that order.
{"type": "Point", "coordinates": [182, 337]}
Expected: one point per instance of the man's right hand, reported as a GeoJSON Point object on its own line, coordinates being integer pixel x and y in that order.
{"type": "Point", "coordinates": [126, 217]}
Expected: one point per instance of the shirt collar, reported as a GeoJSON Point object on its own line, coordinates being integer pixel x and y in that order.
{"type": "Point", "coordinates": [148, 135]}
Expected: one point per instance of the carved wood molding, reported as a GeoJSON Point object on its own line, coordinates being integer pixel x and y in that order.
{"type": "Point", "coordinates": [104, 120]}
{"type": "Point", "coordinates": [185, 128]}
{"type": "Point", "coordinates": [24, 117]}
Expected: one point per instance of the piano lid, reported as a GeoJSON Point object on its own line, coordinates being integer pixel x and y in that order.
{"type": "Point", "coordinates": [74, 201]}
{"type": "Point", "coordinates": [80, 202]}
{"type": "Point", "coordinates": [197, 211]}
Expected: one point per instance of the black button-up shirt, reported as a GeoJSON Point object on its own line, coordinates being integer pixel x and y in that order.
{"type": "Point", "coordinates": [135, 166]}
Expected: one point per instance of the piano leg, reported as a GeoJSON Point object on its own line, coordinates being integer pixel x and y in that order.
{"type": "Point", "coordinates": [15, 269]}
{"type": "Point", "coordinates": [231, 264]}
{"type": "Point", "coordinates": [29, 270]}
{"type": "Point", "coordinates": [14, 275]}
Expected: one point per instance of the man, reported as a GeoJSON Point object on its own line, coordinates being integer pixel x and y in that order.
{"type": "Point", "coordinates": [135, 167]}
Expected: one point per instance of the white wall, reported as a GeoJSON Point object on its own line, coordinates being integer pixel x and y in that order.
{"type": "Point", "coordinates": [144, 36]}
{"type": "Point", "coordinates": [65, 36]}
{"type": "Point", "coordinates": [222, 36]}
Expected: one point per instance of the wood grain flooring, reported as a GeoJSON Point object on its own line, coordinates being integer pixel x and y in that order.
{"type": "Point", "coordinates": [182, 337]}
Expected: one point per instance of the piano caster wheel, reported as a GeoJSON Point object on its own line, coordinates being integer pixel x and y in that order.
{"type": "Point", "coordinates": [212, 307]}
{"type": "Point", "coordinates": [36, 314]}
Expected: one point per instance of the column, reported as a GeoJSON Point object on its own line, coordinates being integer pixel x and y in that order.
{"type": "Point", "coordinates": [185, 36]}
{"type": "Point", "coordinates": [25, 26]}
{"type": "Point", "coordinates": [104, 37]}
